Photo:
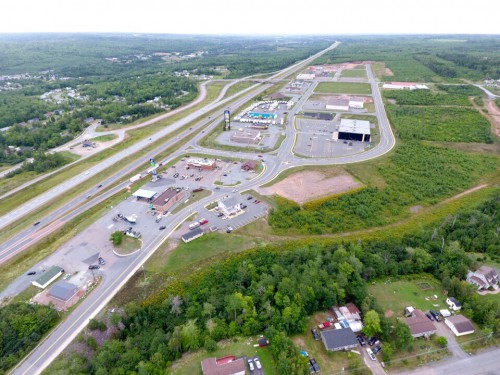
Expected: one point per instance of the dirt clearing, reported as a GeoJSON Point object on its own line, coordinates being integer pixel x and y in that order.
{"type": "Point", "coordinates": [303, 187]}
{"type": "Point", "coordinates": [494, 112]}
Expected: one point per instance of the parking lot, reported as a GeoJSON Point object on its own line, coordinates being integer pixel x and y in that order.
{"type": "Point", "coordinates": [251, 212]}
{"type": "Point", "coordinates": [315, 139]}
{"type": "Point", "coordinates": [268, 141]}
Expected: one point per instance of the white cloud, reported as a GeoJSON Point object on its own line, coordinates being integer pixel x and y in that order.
{"type": "Point", "coordinates": [252, 17]}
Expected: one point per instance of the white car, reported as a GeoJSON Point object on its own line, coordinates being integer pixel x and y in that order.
{"type": "Point", "coordinates": [250, 364]}
{"type": "Point", "coordinates": [370, 353]}
{"type": "Point", "coordinates": [257, 363]}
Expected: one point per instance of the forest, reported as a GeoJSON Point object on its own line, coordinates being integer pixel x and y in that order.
{"type": "Point", "coordinates": [274, 289]}
{"type": "Point", "coordinates": [21, 327]}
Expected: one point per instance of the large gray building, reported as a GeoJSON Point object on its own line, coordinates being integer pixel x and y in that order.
{"type": "Point", "coordinates": [354, 130]}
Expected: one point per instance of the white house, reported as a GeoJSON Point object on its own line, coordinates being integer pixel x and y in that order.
{"type": "Point", "coordinates": [453, 304]}
{"type": "Point", "coordinates": [229, 207]}
{"type": "Point", "coordinates": [459, 325]}
{"type": "Point", "coordinates": [485, 277]}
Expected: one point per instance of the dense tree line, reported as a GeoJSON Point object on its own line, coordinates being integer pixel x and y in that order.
{"type": "Point", "coordinates": [42, 162]}
{"type": "Point", "coordinates": [485, 63]}
{"type": "Point", "coordinates": [21, 327]}
{"type": "Point", "coordinates": [439, 67]}
{"type": "Point", "coordinates": [273, 290]}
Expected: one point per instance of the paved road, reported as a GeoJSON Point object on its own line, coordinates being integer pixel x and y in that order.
{"type": "Point", "coordinates": [486, 363]}
{"type": "Point", "coordinates": [120, 272]}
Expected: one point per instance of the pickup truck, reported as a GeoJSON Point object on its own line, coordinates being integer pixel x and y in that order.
{"type": "Point", "coordinates": [324, 325]}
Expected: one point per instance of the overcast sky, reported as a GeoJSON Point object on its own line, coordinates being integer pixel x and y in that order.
{"type": "Point", "coordinates": [252, 16]}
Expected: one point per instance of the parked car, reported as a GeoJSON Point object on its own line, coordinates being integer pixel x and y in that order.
{"type": "Point", "coordinates": [436, 315]}
{"type": "Point", "coordinates": [101, 261]}
{"type": "Point", "coordinates": [370, 353]}
{"type": "Point", "coordinates": [314, 365]}
{"type": "Point", "coordinates": [176, 175]}
{"type": "Point", "coordinates": [31, 273]}
{"type": "Point", "coordinates": [257, 201]}
{"type": "Point", "coordinates": [315, 334]}
{"type": "Point", "coordinates": [250, 364]}
{"type": "Point", "coordinates": [376, 349]}
{"type": "Point", "coordinates": [429, 315]}
{"type": "Point", "coordinates": [220, 214]}
{"type": "Point", "coordinates": [249, 198]}
{"type": "Point", "coordinates": [361, 340]}
{"type": "Point", "coordinates": [162, 227]}
{"type": "Point", "coordinates": [243, 206]}
{"type": "Point", "coordinates": [93, 267]}
{"type": "Point", "coordinates": [203, 221]}
{"type": "Point", "coordinates": [257, 363]}
{"type": "Point", "coordinates": [372, 341]}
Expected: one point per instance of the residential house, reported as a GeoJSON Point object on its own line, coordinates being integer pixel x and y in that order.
{"type": "Point", "coordinates": [485, 277]}
{"type": "Point", "coordinates": [453, 304]}
{"type": "Point", "coordinates": [339, 339]}
{"type": "Point", "coordinates": [229, 207]}
{"type": "Point", "coordinates": [419, 324]}
{"type": "Point", "coordinates": [223, 366]}
{"type": "Point", "coordinates": [460, 325]}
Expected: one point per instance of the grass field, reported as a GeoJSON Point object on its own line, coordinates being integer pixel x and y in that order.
{"type": "Point", "coordinates": [191, 364]}
{"type": "Point", "coordinates": [343, 88]}
{"type": "Point", "coordinates": [128, 245]}
{"type": "Point", "coordinates": [395, 295]}
{"type": "Point", "coordinates": [354, 73]}
{"type": "Point", "coordinates": [189, 254]}
{"type": "Point", "coordinates": [105, 138]}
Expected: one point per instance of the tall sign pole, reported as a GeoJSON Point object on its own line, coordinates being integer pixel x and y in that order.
{"type": "Point", "coordinates": [227, 120]}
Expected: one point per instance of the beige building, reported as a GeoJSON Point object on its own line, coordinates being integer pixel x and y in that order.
{"type": "Point", "coordinates": [167, 199]}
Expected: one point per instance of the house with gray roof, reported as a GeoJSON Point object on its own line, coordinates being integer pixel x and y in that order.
{"type": "Point", "coordinates": [63, 291]}
{"type": "Point", "coordinates": [339, 339]}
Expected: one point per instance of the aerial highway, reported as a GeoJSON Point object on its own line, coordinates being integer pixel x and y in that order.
{"type": "Point", "coordinates": [118, 274]}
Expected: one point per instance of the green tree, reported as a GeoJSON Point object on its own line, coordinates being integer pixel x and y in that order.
{"type": "Point", "coordinates": [442, 341]}
{"type": "Point", "coordinates": [372, 324]}
{"type": "Point", "coordinates": [191, 335]}
{"type": "Point", "coordinates": [116, 237]}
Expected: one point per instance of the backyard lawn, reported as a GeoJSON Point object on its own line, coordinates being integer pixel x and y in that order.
{"type": "Point", "coordinates": [394, 295]}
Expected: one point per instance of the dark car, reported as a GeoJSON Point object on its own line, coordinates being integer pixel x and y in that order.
{"type": "Point", "coordinates": [99, 186]}
{"type": "Point", "coordinates": [361, 340]}
{"type": "Point", "coordinates": [36, 223]}
{"type": "Point", "coordinates": [436, 315]}
{"type": "Point", "coordinates": [93, 267]}
{"type": "Point", "coordinates": [249, 198]}
{"type": "Point", "coordinates": [315, 334]}
{"type": "Point", "coordinates": [372, 341]}
{"type": "Point", "coordinates": [220, 214]}
{"type": "Point", "coordinates": [31, 273]}
{"type": "Point", "coordinates": [429, 315]}
{"type": "Point", "coordinates": [101, 261]}
{"type": "Point", "coordinates": [314, 364]}
{"type": "Point", "coordinates": [243, 206]}
{"type": "Point", "coordinates": [376, 349]}
{"type": "Point", "coordinates": [162, 227]}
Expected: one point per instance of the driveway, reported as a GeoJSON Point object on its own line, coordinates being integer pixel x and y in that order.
{"type": "Point", "coordinates": [453, 346]}
{"type": "Point", "coordinates": [374, 366]}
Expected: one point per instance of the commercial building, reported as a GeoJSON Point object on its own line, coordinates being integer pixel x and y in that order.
{"type": "Point", "coordinates": [419, 324]}
{"type": "Point", "coordinates": [63, 291]}
{"type": "Point", "coordinates": [337, 104]}
{"type": "Point", "coordinates": [192, 235]}
{"type": "Point", "coordinates": [404, 86]}
{"type": "Point", "coordinates": [48, 277]}
{"type": "Point", "coordinates": [229, 206]}
{"type": "Point", "coordinates": [202, 164]}
{"type": "Point", "coordinates": [459, 325]}
{"type": "Point", "coordinates": [354, 130]}
{"type": "Point", "coordinates": [248, 136]}
{"type": "Point", "coordinates": [306, 76]}
{"type": "Point", "coordinates": [339, 339]}
{"type": "Point", "coordinates": [262, 115]}
{"type": "Point", "coordinates": [167, 199]}
{"type": "Point", "coordinates": [144, 194]}
{"type": "Point", "coordinates": [223, 366]}
{"type": "Point", "coordinates": [250, 165]}
{"type": "Point", "coordinates": [356, 103]}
